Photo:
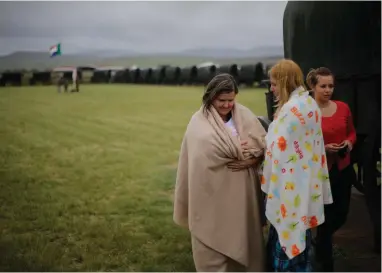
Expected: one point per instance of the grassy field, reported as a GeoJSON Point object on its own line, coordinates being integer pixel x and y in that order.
{"type": "Point", "coordinates": [87, 178]}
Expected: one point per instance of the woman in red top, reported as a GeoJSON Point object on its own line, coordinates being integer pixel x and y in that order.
{"type": "Point", "coordinates": [339, 137]}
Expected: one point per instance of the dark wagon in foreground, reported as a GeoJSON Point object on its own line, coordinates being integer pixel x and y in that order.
{"type": "Point", "coordinates": [346, 38]}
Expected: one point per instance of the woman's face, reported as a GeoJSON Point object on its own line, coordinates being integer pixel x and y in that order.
{"type": "Point", "coordinates": [323, 90]}
{"type": "Point", "coordinates": [224, 103]}
{"type": "Point", "coordinates": [274, 87]}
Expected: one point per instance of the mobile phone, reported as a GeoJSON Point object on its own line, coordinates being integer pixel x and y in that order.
{"type": "Point", "coordinates": [343, 151]}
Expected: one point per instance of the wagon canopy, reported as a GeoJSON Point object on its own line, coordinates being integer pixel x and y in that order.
{"type": "Point", "coordinates": [344, 36]}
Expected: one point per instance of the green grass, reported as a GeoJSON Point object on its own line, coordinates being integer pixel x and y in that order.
{"type": "Point", "coordinates": [87, 178]}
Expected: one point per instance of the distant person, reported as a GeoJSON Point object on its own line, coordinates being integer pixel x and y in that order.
{"type": "Point", "coordinates": [62, 82]}
{"type": "Point", "coordinates": [339, 137]}
{"type": "Point", "coordinates": [295, 173]}
{"type": "Point", "coordinates": [217, 191]}
{"type": "Point", "coordinates": [110, 75]}
{"type": "Point", "coordinates": [75, 81]}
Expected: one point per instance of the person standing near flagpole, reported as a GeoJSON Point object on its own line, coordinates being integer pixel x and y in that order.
{"type": "Point", "coordinates": [75, 80]}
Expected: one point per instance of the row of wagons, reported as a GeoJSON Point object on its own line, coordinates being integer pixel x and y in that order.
{"type": "Point", "coordinates": [164, 74]}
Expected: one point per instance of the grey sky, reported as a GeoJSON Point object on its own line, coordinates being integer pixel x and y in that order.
{"type": "Point", "coordinates": [141, 26]}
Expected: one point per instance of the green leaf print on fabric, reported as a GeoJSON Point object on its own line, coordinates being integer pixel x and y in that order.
{"type": "Point", "coordinates": [292, 158]}
{"type": "Point", "coordinates": [293, 226]}
{"type": "Point", "coordinates": [297, 201]}
{"type": "Point", "coordinates": [322, 177]}
{"type": "Point", "coordinates": [282, 119]}
{"type": "Point", "coordinates": [315, 197]}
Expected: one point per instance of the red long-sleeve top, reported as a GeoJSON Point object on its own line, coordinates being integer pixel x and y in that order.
{"type": "Point", "coordinates": [336, 129]}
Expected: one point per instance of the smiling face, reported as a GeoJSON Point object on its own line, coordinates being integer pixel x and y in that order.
{"type": "Point", "coordinates": [220, 94]}
{"type": "Point", "coordinates": [224, 103]}
{"type": "Point", "coordinates": [321, 81]}
{"type": "Point", "coordinates": [323, 90]}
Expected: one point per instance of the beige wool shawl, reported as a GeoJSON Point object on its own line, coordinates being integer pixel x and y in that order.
{"type": "Point", "coordinates": [221, 207]}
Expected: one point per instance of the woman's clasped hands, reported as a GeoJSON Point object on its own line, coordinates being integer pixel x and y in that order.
{"type": "Point", "coordinates": [239, 165]}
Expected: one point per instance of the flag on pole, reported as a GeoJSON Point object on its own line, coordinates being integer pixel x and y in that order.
{"type": "Point", "coordinates": [55, 50]}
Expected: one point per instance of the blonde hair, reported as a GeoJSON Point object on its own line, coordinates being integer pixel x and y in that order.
{"type": "Point", "coordinates": [288, 76]}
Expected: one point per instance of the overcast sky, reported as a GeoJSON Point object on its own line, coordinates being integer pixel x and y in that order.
{"type": "Point", "coordinates": [141, 26]}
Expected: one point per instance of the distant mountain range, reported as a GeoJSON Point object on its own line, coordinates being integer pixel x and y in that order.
{"type": "Point", "coordinates": [258, 52]}
{"type": "Point", "coordinates": [41, 60]}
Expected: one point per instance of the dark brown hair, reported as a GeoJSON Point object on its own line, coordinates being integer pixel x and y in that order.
{"type": "Point", "coordinates": [222, 83]}
{"type": "Point", "coordinates": [312, 77]}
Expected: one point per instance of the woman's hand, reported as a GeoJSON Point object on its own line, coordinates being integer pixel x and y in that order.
{"type": "Point", "coordinates": [348, 144]}
{"type": "Point", "coordinates": [244, 146]}
{"type": "Point", "coordinates": [239, 165]}
{"type": "Point", "coordinates": [332, 148]}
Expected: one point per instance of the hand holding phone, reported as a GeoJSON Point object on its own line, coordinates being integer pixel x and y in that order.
{"type": "Point", "coordinates": [343, 150]}
{"type": "Point", "coordinates": [332, 148]}
{"type": "Point", "coordinates": [348, 144]}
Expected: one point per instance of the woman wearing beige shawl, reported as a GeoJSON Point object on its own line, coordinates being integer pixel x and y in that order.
{"type": "Point", "coordinates": [217, 192]}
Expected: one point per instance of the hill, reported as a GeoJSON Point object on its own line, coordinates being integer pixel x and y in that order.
{"type": "Point", "coordinates": [41, 60]}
